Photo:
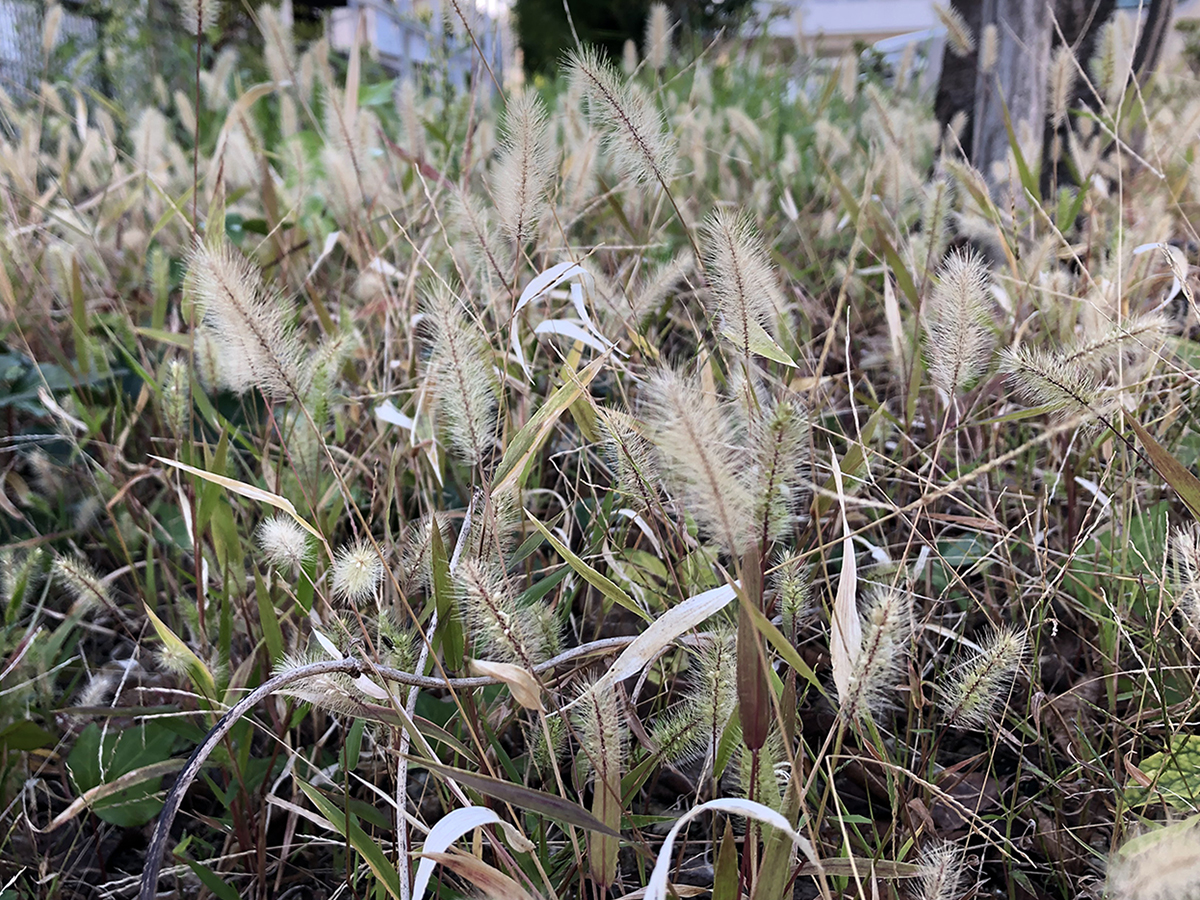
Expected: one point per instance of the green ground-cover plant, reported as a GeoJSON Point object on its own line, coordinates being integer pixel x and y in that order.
{"type": "Point", "coordinates": [697, 476]}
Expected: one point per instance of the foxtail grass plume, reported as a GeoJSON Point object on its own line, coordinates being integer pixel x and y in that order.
{"type": "Point", "coordinates": [1112, 62]}
{"type": "Point", "coordinates": [51, 25]}
{"type": "Point", "coordinates": [602, 734]}
{"type": "Point", "coordinates": [283, 543]}
{"type": "Point", "coordinates": [1062, 84]}
{"type": "Point", "coordinates": [525, 168]}
{"type": "Point", "coordinates": [1048, 379]}
{"type": "Point", "coordinates": [959, 38]}
{"type": "Point", "coordinates": [848, 77]}
{"type": "Point", "coordinates": [246, 323]}
{"type": "Point", "coordinates": [701, 459]}
{"type": "Point", "coordinates": [659, 285]}
{"type": "Point", "coordinates": [1138, 337]}
{"type": "Point", "coordinates": [481, 247]}
{"type": "Point", "coordinates": [186, 112]}
{"type": "Point", "coordinates": [930, 244]}
{"type": "Point", "coordinates": [498, 626]}
{"type": "Point", "coordinates": [175, 396]}
{"type": "Point", "coordinates": [631, 457]}
{"type": "Point", "coordinates": [334, 692]}
{"type": "Point", "coordinates": [19, 572]}
{"type": "Point", "coordinates": [658, 37]}
{"type": "Point", "coordinates": [323, 370]}
{"type": "Point", "coordinates": [629, 57]}
{"type": "Point", "coordinates": [495, 527]}
{"type": "Point", "coordinates": [357, 571]}
{"type": "Point", "coordinates": [418, 550]}
{"type": "Point", "coordinates": [941, 872]}
{"type": "Point", "coordinates": [793, 593]}
{"type": "Point", "coordinates": [887, 624]}
{"type": "Point", "coordinates": [1163, 864]}
{"type": "Point", "coordinates": [410, 118]}
{"type": "Point", "coordinates": [693, 729]}
{"type": "Point", "coordinates": [199, 16]}
{"type": "Point", "coordinates": [989, 48]}
{"type": "Point", "coordinates": [956, 323]}
{"type": "Point", "coordinates": [1185, 548]}
{"type": "Point", "coordinates": [778, 440]}
{"type": "Point", "coordinates": [743, 283]}
{"type": "Point", "coordinates": [81, 582]}
{"type": "Point", "coordinates": [462, 381]}
{"type": "Point", "coordinates": [977, 685]}
{"type": "Point", "coordinates": [635, 133]}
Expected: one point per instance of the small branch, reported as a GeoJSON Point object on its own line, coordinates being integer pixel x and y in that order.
{"type": "Point", "coordinates": [348, 666]}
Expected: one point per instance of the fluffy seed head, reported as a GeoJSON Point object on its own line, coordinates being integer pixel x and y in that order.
{"type": "Point", "coordinates": [499, 627]}
{"type": "Point", "coordinates": [636, 134]}
{"type": "Point", "coordinates": [1048, 379]}
{"type": "Point", "coordinates": [631, 457]}
{"type": "Point", "coordinates": [983, 681]}
{"type": "Point", "coordinates": [660, 285]}
{"type": "Point", "coordinates": [848, 77]}
{"type": "Point", "coordinates": [693, 729]}
{"type": "Point", "coordinates": [284, 543]}
{"type": "Point", "coordinates": [253, 344]}
{"type": "Point", "coordinates": [1130, 341]}
{"type": "Point", "coordinates": [524, 171]}
{"type": "Point", "coordinates": [462, 381]}
{"type": "Point", "coordinates": [742, 280]}
{"type": "Point", "coordinates": [778, 441]}
{"type": "Point", "coordinates": [357, 571]}
{"type": "Point", "coordinates": [887, 622]}
{"type": "Point", "coordinates": [1185, 547]}
{"type": "Point", "coordinates": [175, 401]}
{"type": "Point", "coordinates": [629, 57]}
{"type": "Point", "coordinates": [941, 871]}
{"type": "Point", "coordinates": [199, 16]}
{"type": "Point", "coordinates": [958, 36]}
{"type": "Point", "coordinates": [601, 728]}
{"type": "Point", "coordinates": [955, 318]}
{"type": "Point", "coordinates": [1158, 865]}
{"type": "Point", "coordinates": [701, 457]}
{"type": "Point", "coordinates": [82, 582]}
{"type": "Point", "coordinates": [1062, 84]}
{"type": "Point", "coordinates": [793, 590]}
{"type": "Point", "coordinates": [989, 51]}
{"type": "Point", "coordinates": [658, 36]}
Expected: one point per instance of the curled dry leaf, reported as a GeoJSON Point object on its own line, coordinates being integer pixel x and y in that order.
{"type": "Point", "coordinates": [524, 686]}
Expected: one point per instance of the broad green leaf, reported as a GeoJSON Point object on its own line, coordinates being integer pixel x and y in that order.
{"type": "Point", "coordinates": [269, 619]}
{"type": "Point", "coordinates": [725, 876]}
{"type": "Point", "coordinates": [761, 343]}
{"type": "Point", "coordinates": [100, 758]}
{"type": "Point", "coordinates": [25, 735]}
{"type": "Point", "coordinates": [1174, 775]}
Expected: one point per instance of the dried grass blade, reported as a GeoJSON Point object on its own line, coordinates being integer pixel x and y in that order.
{"type": "Point", "coordinates": [845, 627]}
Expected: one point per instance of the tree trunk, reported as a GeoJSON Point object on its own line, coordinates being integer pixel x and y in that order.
{"type": "Point", "coordinates": [1075, 23]}
{"type": "Point", "coordinates": [1016, 80]}
{"type": "Point", "coordinates": [1154, 35]}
